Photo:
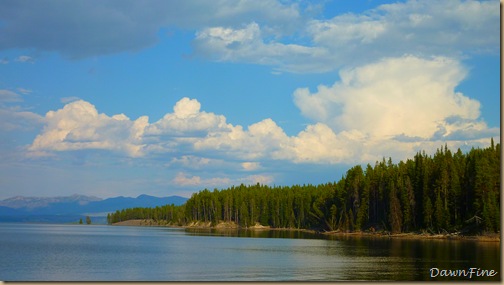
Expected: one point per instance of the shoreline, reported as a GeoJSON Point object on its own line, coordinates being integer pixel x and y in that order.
{"type": "Point", "coordinates": [494, 237]}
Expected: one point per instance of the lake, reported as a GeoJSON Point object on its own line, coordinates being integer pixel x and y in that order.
{"type": "Point", "coordinates": [47, 252]}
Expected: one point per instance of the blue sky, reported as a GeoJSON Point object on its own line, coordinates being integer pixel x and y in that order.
{"type": "Point", "coordinates": [110, 98]}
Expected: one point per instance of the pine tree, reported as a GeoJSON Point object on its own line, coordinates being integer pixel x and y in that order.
{"type": "Point", "coordinates": [395, 210]}
{"type": "Point", "coordinates": [440, 192]}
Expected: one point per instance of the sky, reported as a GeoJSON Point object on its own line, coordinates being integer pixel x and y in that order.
{"type": "Point", "coordinates": [122, 98]}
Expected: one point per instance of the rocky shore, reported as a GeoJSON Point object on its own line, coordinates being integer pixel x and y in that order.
{"type": "Point", "coordinates": [494, 237]}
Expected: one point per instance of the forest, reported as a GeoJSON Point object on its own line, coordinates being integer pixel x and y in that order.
{"type": "Point", "coordinates": [444, 193]}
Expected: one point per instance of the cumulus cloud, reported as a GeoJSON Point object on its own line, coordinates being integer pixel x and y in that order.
{"type": "Point", "coordinates": [320, 144]}
{"type": "Point", "coordinates": [260, 140]}
{"type": "Point", "coordinates": [406, 96]}
{"type": "Point", "coordinates": [392, 107]}
{"type": "Point", "coordinates": [187, 118]}
{"type": "Point", "coordinates": [193, 137]}
{"type": "Point", "coordinates": [78, 125]}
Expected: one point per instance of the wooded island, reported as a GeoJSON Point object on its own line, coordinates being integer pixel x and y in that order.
{"type": "Point", "coordinates": [445, 193]}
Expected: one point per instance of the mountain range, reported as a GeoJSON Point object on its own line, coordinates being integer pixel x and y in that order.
{"type": "Point", "coordinates": [69, 209]}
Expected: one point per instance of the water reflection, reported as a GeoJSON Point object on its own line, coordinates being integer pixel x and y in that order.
{"type": "Point", "coordinates": [412, 259]}
{"type": "Point", "coordinates": [106, 253]}
{"type": "Point", "coordinates": [379, 258]}
{"type": "Point", "coordinates": [254, 233]}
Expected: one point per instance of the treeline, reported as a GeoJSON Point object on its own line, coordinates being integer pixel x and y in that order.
{"type": "Point", "coordinates": [446, 192]}
{"type": "Point", "coordinates": [170, 213]}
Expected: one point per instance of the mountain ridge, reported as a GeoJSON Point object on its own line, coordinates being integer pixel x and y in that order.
{"type": "Point", "coordinates": [31, 209]}
{"type": "Point", "coordinates": [37, 202]}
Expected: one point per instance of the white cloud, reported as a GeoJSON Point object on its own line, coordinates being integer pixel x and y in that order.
{"type": "Point", "coordinates": [392, 107]}
{"type": "Point", "coordinates": [346, 29]}
{"type": "Point", "coordinates": [260, 140]}
{"type": "Point", "coordinates": [78, 125]}
{"type": "Point", "coordinates": [187, 118]}
{"type": "Point", "coordinates": [186, 108]}
{"type": "Point", "coordinates": [439, 27]}
{"type": "Point", "coordinates": [319, 144]}
{"type": "Point", "coordinates": [445, 28]}
{"type": "Point", "coordinates": [247, 45]}
{"type": "Point", "coordinates": [397, 96]}
{"type": "Point", "coordinates": [388, 108]}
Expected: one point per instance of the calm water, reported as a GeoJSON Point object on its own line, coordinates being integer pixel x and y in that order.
{"type": "Point", "coordinates": [40, 252]}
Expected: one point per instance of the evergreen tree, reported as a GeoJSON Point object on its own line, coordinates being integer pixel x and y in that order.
{"type": "Point", "coordinates": [426, 193]}
{"type": "Point", "coordinates": [395, 219]}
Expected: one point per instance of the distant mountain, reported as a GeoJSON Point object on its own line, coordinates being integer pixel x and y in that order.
{"type": "Point", "coordinates": [39, 202]}
{"type": "Point", "coordinates": [72, 208]}
{"type": "Point", "coordinates": [6, 211]}
{"type": "Point", "coordinates": [121, 202]}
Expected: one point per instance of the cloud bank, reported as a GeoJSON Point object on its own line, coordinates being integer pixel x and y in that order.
{"type": "Point", "coordinates": [446, 28]}
{"type": "Point", "coordinates": [286, 35]}
{"type": "Point", "coordinates": [80, 29]}
{"type": "Point", "coordinates": [393, 107]}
